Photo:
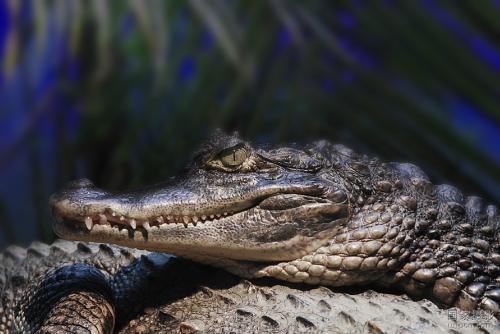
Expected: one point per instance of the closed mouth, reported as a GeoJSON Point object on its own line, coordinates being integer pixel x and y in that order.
{"type": "Point", "coordinates": [112, 219]}
{"type": "Point", "coordinates": [116, 221]}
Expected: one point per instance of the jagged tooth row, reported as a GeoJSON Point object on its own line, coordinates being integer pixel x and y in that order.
{"type": "Point", "coordinates": [113, 219]}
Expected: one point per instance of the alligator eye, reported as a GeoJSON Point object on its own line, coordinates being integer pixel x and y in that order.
{"type": "Point", "coordinates": [233, 156]}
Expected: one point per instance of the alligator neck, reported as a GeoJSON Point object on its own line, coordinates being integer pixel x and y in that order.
{"type": "Point", "coordinates": [427, 240]}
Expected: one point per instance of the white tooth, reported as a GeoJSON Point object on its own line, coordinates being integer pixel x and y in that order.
{"type": "Point", "coordinates": [186, 220]}
{"type": "Point", "coordinates": [122, 218]}
{"type": "Point", "coordinates": [212, 216]}
{"type": "Point", "coordinates": [99, 227]}
{"type": "Point", "coordinates": [225, 213]}
{"type": "Point", "coordinates": [133, 223]}
{"type": "Point", "coordinates": [113, 214]}
{"type": "Point", "coordinates": [195, 219]}
{"type": "Point", "coordinates": [89, 223]}
{"type": "Point", "coordinates": [203, 217]}
{"type": "Point", "coordinates": [146, 226]}
{"type": "Point", "coordinates": [102, 219]}
{"type": "Point", "coordinates": [169, 218]}
{"type": "Point", "coordinates": [159, 219]}
{"type": "Point", "coordinates": [218, 215]}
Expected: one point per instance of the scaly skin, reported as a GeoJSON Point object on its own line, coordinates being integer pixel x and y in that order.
{"type": "Point", "coordinates": [52, 288]}
{"type": "Point", "coordinates": [156, 293]}
{"type": "Point", "coordinates": [319, 214]}
{"type": "Point", "coordinates": [71, 287]}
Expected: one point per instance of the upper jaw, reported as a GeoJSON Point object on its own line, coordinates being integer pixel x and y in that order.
{"type": "Point", "coordinates": [82, 202]}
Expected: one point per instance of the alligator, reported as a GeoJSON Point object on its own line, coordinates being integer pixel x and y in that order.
{"type": "Point", "coordinates": [299, 222]}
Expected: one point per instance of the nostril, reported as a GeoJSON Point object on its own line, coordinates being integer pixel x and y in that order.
{"type": "Point", "coordinates": [81, 183]}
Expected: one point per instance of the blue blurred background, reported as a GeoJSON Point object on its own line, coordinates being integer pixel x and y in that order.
{"type": "Point", "coordinates": [121, 92]}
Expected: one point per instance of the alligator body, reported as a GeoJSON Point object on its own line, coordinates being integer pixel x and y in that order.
{"type": "Point", "coordinates": [320, 215]}
{"type": "Point", "coordinates": [156, 293]}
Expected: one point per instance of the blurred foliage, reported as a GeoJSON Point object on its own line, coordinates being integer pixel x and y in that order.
{"type": "Point", "coordinates": [121, 92]}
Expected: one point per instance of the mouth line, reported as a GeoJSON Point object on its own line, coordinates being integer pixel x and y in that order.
{"type": "Point", "coordinates": [111, 219]}
{"type": "Point", "coordinates": [114, 220]}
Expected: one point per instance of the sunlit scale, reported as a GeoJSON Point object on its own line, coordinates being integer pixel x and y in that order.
{"type": "Point", "coordinates": [113, 219]}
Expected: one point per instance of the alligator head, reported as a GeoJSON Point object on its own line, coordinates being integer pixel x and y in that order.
{"type": "Point", "coordinates": [234, 201]}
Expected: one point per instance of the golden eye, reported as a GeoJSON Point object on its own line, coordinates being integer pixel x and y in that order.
{"type": "Point", "coordinates": [233, 156]}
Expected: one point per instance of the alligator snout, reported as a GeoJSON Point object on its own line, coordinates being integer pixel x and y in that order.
{"type": "Point", "coordinates": [75, 197]}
